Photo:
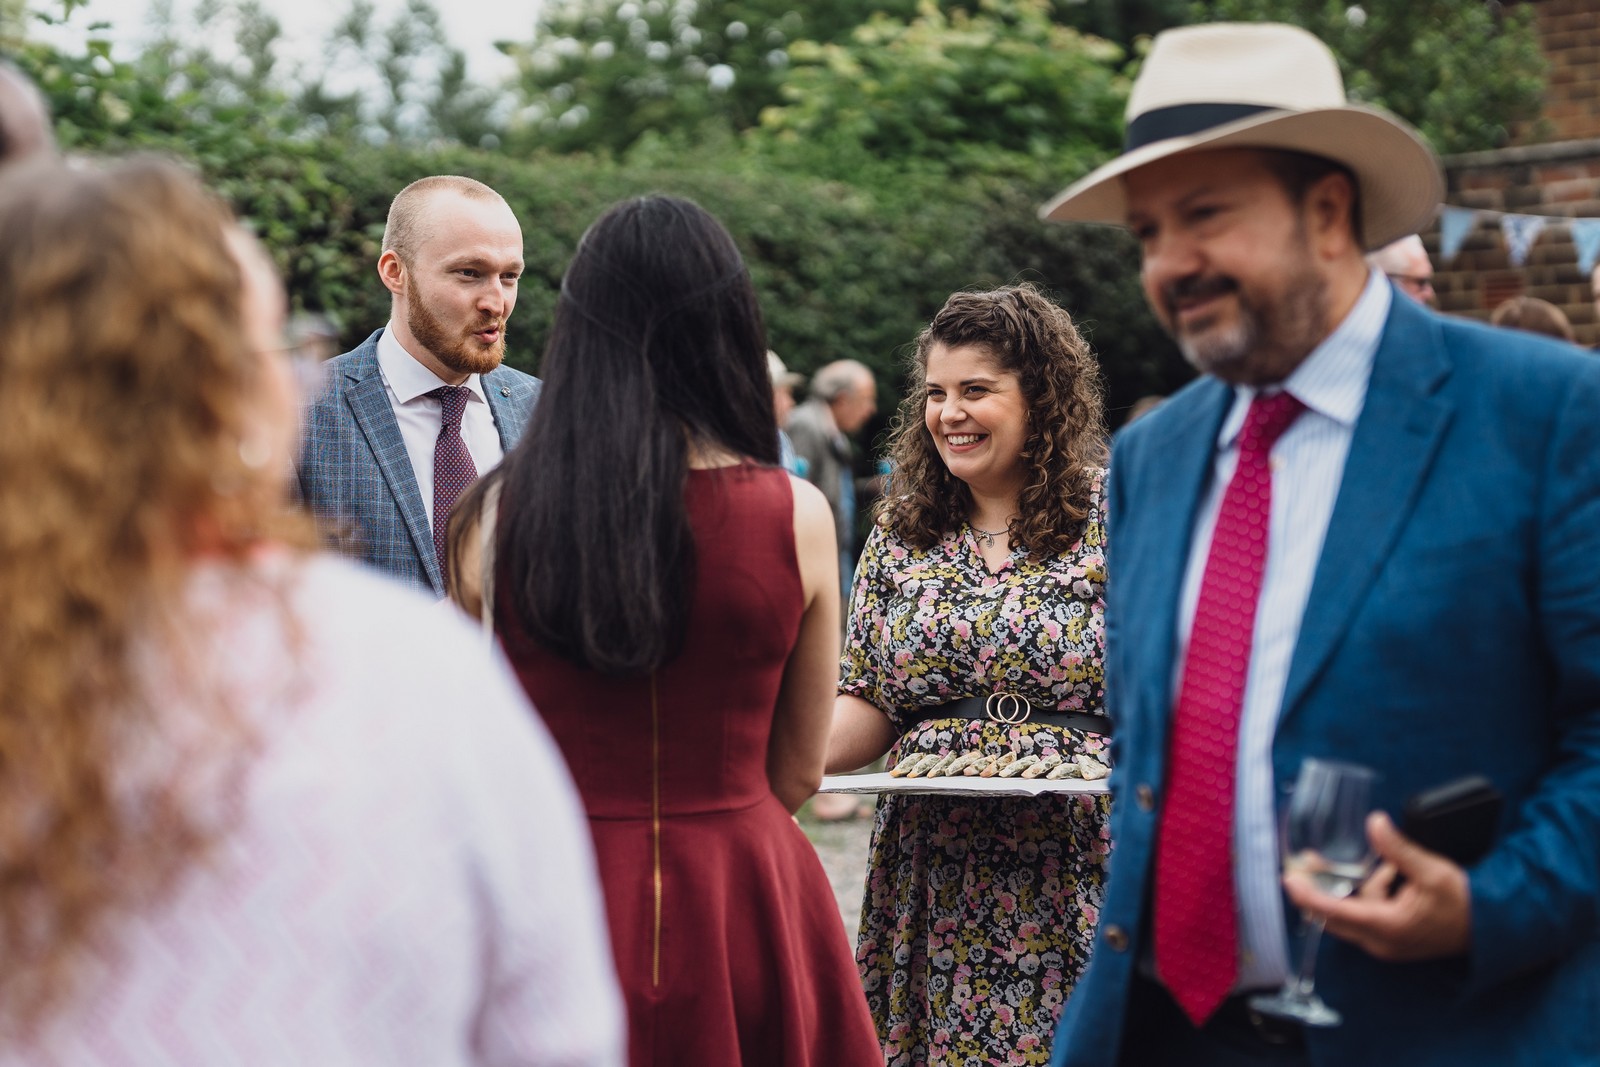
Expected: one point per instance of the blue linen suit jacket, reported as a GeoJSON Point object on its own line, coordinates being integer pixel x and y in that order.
{"type": "Point", "coordinates": [356, 476]}
{"type": "Point", "coordinates": [1453, 627]}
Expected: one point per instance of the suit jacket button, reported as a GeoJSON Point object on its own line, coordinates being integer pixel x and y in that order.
{"type": "Point", "coordinates": [1145, 797]}
{"type": "Point", "coordinates": [1117, 938]}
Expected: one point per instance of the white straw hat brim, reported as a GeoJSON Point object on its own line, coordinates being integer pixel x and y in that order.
{"type": "Point", "coordinates": [1401, 182]}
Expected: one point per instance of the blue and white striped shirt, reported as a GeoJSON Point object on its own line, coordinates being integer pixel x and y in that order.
{"type": "Point", "coordinates": [1307, 464]}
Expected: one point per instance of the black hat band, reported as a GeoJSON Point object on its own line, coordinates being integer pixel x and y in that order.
{"type": "Point", "coordinates": [1184, 120]}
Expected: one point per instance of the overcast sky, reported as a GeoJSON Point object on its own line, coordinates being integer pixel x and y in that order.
{"type": "Point", "coordinates": [307, 23]}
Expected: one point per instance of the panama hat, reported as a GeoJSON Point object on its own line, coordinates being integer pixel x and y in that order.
{"type": "Point", "coordinates": [1262, 85]}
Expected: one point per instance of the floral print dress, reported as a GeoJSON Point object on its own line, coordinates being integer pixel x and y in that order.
{"type": "Point", "coordinates": [979, 911]}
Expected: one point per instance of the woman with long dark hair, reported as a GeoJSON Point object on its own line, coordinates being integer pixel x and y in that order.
{"type": "Point", "coordinates": [669, 597]}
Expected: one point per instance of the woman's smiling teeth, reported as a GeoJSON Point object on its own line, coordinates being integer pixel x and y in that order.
{"type": "Point", "coordinates": [965, 438]}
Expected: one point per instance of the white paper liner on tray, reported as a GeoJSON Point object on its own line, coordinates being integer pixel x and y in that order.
{"type": "Point", "coordinates": [960, 785]}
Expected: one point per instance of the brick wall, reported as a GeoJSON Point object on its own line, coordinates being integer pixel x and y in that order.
{"type": "Point", "coordinates": [1569, 32]}
{"type": "Point", "coordinates": [1561, 179]}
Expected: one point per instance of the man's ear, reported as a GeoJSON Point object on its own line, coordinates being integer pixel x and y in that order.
{"type": "Point", "coordinates": [392, 272]}
{"type": "Point", "coordinates": [1329, 207]}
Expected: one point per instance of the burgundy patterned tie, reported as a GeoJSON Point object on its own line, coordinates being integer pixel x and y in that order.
{"type": "Point", "coordinates": [453, 469]}
{"type": "Point", "coordinates": [1196, 929]}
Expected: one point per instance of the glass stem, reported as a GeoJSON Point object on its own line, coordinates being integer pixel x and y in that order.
{"type": "Point", "coordinates": [1306, 980]}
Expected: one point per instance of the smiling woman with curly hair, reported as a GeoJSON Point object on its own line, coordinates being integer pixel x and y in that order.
{"type": "Point", "coordinates": [975, 639]}
{"type": "Point", "coordinates": [1025, 334]}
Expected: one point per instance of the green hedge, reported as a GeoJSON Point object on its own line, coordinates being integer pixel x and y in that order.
{"type": "Point", "coordinates": [845, 268]}
{"type": "Point", "coordinates": [842, 271]}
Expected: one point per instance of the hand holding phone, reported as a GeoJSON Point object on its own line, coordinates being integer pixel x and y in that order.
{"type": "Point", "coordinates": [1457, 819]}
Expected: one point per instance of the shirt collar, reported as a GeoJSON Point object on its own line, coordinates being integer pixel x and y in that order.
{"type": "Point", "coordinates": [408, 377]}
{"type": "Point", "coordinates": [1332, 380]}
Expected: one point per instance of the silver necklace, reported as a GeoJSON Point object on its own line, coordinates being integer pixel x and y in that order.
{"type": "Point", "coordinates": [988, 536]}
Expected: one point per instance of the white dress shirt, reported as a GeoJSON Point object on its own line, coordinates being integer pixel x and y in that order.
{"type": "Point", "coordinates": [407, 382]}
{"type": "Point", "coordinates": [1307, 467]}
{"type": "Point", "coordinates": [404, 876]}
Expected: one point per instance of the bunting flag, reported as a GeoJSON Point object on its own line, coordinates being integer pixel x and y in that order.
{"type": "Point", "coordinates": [1586, 236]}
{"type": "Point", "coordinates": [1454, 225]}
{"type": "Point", "coordinates": [1520, 233]}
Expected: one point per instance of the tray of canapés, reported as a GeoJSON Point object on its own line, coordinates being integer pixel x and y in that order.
{"type": "Point", "coordinates": [979, 772]}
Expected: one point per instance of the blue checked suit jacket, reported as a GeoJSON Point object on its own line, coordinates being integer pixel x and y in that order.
{"type": "Point", "coordinates": [355, 474]}
{"type": "Point", "coordinates": [1453, 627]}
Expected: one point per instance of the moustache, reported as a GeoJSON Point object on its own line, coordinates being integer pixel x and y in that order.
{"type": "Point", "coordinates": [1196, 288]}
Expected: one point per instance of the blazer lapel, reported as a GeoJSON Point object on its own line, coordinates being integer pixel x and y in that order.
{"type": "Point", "coordinates": [369, 403]}
{"type": "Point", "coordinates": [1184, 447]}
{"type": "Point", "coordinates": [509, 405]}
{"type": "Point", "coordinates": [1395, 441]}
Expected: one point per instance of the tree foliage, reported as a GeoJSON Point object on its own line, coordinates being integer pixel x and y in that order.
{"type": "Point", "coordinates": [402, 81]}
{"type": "Point", "coordinates": [601, 74]}
{"type": "Point", "coordinates": [1463, 71]}
{"type": "Point", "coordinates": [1122, 22]}
{"type": "Point", "coordinates": [418, 88]}
{"type": "Point", "coordinates": [870, 156]}
{"type": "Point", "coordinates": [1000, 89]}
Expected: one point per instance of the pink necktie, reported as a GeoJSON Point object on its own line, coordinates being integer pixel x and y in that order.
{"type": "Point", "coordinates": [453, 469]}
{"type": "Point", "coordinates": [1196, 930]}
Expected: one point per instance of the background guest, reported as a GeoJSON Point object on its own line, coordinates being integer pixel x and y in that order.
{"type": "Point", "coordinates": [669, 597]}
{"type": "Point", "coordinates": [844, 395]}
{"type": "Point", "coordinates": [312, 337]}
{"type": "Point", "coordinates": [234, 826]}
{"type": "Point", "coordinates": [784, 383]}
{"type": "Point", "coordinates": [313, 341]}
{"type": "Point", "coordinates": [1535, 316]}
{"type": "Point", "coordinates": [983, 575]}
{"type": "Point", "coordinates": [1405, 263]}
{"type": "Point", "coordinates": [24, 119]}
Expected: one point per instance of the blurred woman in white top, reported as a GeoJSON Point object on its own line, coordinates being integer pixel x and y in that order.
{"type": "Point", "coordinates": [256, 806]}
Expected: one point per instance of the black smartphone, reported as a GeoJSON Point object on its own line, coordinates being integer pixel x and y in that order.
{"type": "Point", "coordinates": [1457, 819]}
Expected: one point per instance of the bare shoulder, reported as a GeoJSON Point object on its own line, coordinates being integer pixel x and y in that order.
{"type": "Point", "coordinates": [816, 545]}
{"type": "Point", "coordinates": [814, 536]}
{"type": "Point", "coordinates": [810, 506]}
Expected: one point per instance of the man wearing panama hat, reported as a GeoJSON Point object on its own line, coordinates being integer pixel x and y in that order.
{"type": "Point", "coordinates": [1367, 533]}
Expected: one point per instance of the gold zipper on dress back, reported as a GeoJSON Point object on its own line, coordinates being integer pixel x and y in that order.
{"type": "Point", "coordinates": [655, 828]}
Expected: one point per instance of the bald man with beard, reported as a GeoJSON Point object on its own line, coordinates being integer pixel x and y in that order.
{"type": "Point", "coordinates": [424, 406]}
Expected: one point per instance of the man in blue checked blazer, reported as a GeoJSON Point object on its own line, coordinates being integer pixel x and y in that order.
{"type": "Point", "coordinates": [1368, 533]}
{"type": "Point", "coordinates": [424, 405]}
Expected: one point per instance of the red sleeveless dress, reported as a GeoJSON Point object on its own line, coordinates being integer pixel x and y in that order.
{"type": "Point", "coordinates": [727, 938]}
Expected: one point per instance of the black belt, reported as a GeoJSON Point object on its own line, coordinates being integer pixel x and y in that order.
{"type": "Point", "coordinates": [1011, 709]}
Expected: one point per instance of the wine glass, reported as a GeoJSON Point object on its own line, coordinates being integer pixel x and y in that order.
{"type": "Point", "coordinates": [1325, 838]}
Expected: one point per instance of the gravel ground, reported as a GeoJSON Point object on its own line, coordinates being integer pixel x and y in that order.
{"type": "Point", "coordinates": [842, 847]}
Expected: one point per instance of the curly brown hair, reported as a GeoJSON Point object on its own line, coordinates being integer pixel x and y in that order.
{"type": "Point", "coordinates": [1032, 337]}
{"type": "Point", "coordinates": [130, 400]}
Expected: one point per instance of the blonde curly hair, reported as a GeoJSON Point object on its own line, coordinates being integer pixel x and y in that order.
{"type": "Point", "coordinates": [1065, 445]}
{"type": "Point", "coordinates": [129, 396]}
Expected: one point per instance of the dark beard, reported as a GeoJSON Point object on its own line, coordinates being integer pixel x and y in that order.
{"type": "Point", "coordinates": [461, 354]}
{"type": "Point", "coordinates": [1269, 342]}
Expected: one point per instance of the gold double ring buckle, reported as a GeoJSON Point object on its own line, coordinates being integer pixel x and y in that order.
{"type": "Point", "coordinates": [1009, 708]}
